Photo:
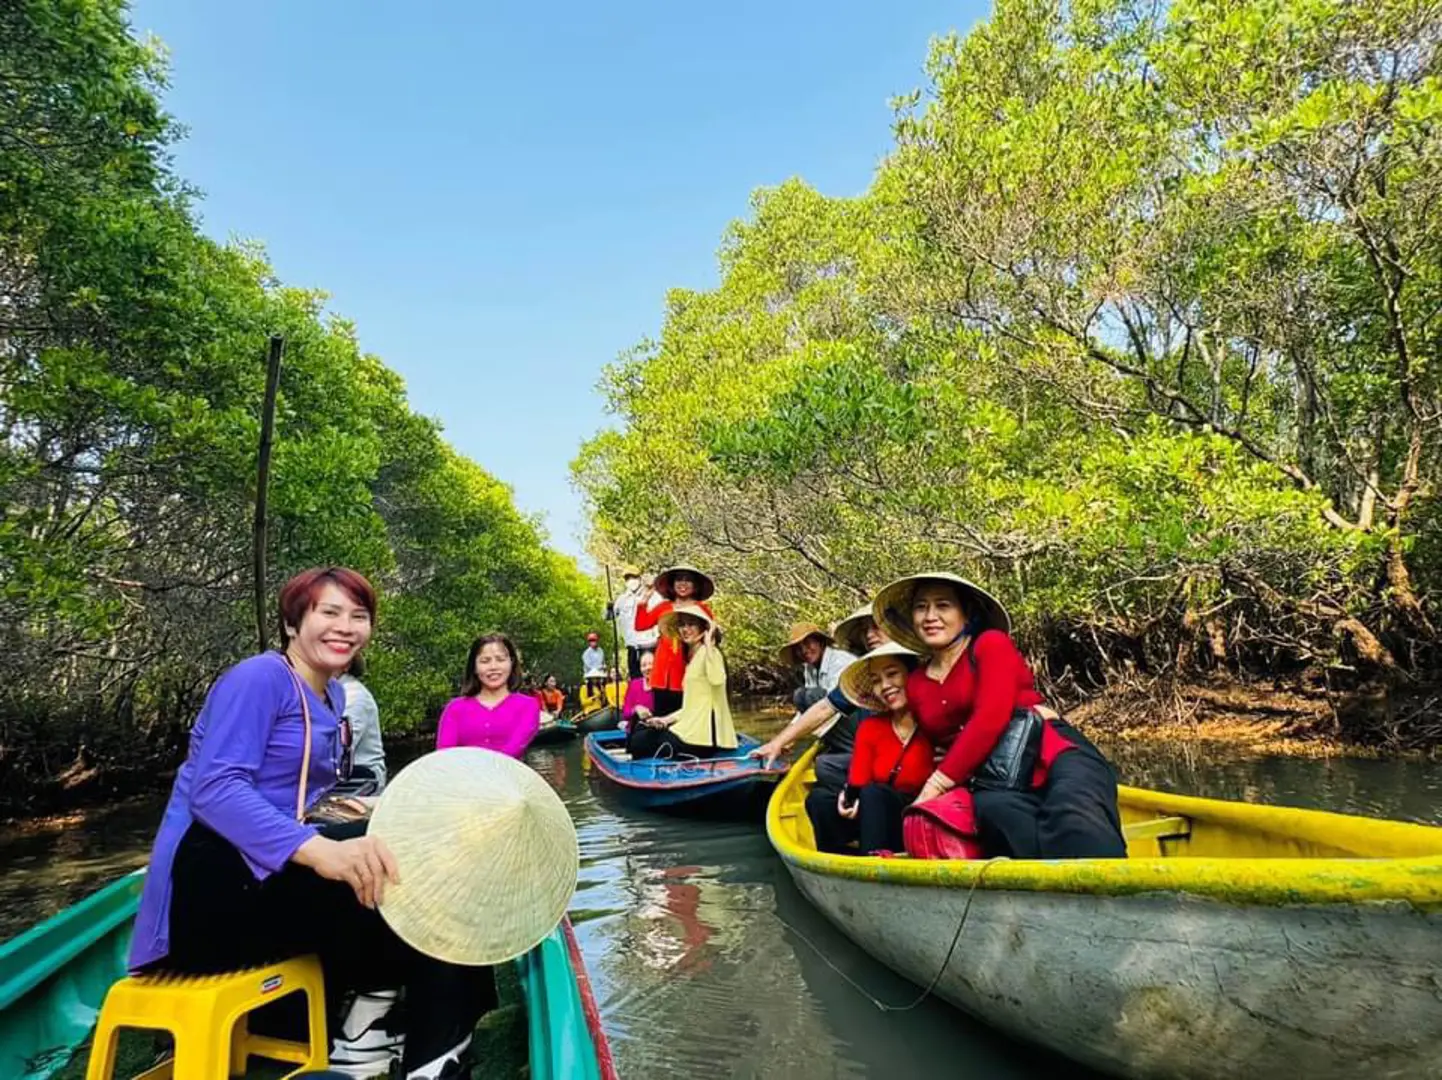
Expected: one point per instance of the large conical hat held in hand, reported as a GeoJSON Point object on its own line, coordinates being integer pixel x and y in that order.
{"type": "Point", "coordinates": [486, 852]}
{"type": "Point", "coordinates": [892, 606]}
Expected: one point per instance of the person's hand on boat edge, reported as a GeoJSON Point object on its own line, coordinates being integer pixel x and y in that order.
{"type": "Point", "coordinates": [364, 863]}
{"type": "Point", "coordinates": [770, 751]}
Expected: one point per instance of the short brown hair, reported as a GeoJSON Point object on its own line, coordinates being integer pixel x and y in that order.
{"type": "Point", "coordinates": [299, 595]}
{"type": "Point", "coordinates": [471, 683]}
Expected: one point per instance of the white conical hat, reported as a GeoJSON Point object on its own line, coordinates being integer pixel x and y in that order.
{"type": "Point", "coordinates": [486, 851]}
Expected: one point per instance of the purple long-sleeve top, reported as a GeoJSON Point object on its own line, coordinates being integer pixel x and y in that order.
{"type": "Point", "coordinates": [241, 778]}
{"type": "Point", "coordinates": [506, 727]}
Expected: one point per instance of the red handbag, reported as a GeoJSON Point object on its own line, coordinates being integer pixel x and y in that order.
{"type": "Point", "coordinates": [942, 828]}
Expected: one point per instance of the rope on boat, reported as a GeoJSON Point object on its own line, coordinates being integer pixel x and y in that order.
{"type": "Point", "coordinates": [955, 939]}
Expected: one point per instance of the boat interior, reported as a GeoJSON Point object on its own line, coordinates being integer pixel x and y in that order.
{"type": "Point", "coordinates": [1161, 825]}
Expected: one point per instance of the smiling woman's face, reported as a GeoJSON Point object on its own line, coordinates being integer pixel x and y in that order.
{"type": "Point", "coordinates": [332, 632]}
{"type": "Point", "coordinates": [689, 629]}
{"type": "Point", "coordinates": [888, 682]}
{"type": "Point", "coordinates": [493, 666]}
{"type": "Point", "coordinates": [936, 614]}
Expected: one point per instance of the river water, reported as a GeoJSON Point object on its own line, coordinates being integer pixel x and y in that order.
{"type": "Point", "coordinates": [706, 960]}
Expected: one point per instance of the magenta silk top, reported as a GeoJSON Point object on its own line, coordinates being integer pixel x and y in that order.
{"type": "Point", "coordinates": [506, 727]}
{"type": "Point", "coordinates": [637, 693]}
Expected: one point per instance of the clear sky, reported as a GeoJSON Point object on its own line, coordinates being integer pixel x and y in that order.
{"type": "Point", "coordinates": [499, 194]}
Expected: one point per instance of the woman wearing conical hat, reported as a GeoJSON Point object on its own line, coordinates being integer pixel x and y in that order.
{"type": "Point", "coordinates": [1040, 789]}
{"type": "Point", "coordinates": [702, 726]}
{"type": "Point", "coordinates": [679, 584]}
{"type": "Point", "coordinates": [889, 765]}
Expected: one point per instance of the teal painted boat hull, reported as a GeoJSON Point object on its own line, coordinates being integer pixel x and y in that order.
{"type": "Point", "coordinates": [54, 977]}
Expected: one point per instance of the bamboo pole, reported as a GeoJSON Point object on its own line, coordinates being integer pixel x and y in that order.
{"type": "Point", "coordinates": [262, 481]}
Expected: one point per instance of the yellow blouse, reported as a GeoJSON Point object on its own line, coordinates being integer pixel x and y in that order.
{"type": "Point", "coordinates": [703, 695]}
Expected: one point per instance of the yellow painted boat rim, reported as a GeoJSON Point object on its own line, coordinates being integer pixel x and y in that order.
{"type": "Point", "coordinates": [1414, 879]}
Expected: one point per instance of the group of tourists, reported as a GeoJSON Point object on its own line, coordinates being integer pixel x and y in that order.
{"type": "Point", "coordinates": [934, 739]}
{"type": "Point", "coordinates": [934, 742]}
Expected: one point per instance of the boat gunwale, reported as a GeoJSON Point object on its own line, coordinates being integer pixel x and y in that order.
{"type": "Point", "coordinates": [560, 942]}
{"type": "Point", "coordinates": [609, 766]}
{"type": "Point", "coordinates": [1275, 881]}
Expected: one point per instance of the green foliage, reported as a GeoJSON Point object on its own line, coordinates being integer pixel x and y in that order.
{"type": "Point", "coordinates": [131, 375]}
{"type": "Point", "coordinates": [1138, 322]}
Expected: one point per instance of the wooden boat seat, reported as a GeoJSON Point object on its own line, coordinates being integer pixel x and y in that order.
{"type": "Point", "coordinates": [208, 1017]}
{"type": "Point", "coordinates": [1162, 830]}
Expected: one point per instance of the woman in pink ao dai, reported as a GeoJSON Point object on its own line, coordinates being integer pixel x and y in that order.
{"type": "Point", "coordinates": [490, 713]}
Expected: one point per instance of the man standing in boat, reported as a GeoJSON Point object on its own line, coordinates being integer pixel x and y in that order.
{"type": "Point", "coordinates": [624, 613]}
{"type": "Point", "coordinates": [593, 662]}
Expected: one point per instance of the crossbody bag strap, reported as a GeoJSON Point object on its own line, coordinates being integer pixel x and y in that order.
{"type": "Point", "coordinates": [305, 750]}
{"type": "Point", "coordinates": [901, 757]}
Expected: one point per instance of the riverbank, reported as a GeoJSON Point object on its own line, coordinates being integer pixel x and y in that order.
{"type": "Point", "coordinates": [1247, 718]}
{"type": "Point", "coordinates": [1223, 714]}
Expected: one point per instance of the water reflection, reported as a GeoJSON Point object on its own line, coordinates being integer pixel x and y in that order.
{"type": "Point", "coordinates": [707, 962]}
{"type": "Point", "coordinates": [1404, 790]}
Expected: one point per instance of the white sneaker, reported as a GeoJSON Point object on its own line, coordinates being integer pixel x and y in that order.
{"type": "Point", "coordinates": [454, 1064]}
{"type": "Point", "coordinates": [365, 1047]}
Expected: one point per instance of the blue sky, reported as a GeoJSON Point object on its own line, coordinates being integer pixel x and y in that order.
{"type": "Point", "coordinates": [500, 194]}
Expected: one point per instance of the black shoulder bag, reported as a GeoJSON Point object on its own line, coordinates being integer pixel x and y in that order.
{"type": "Point", "coordinates": [1010, 764]}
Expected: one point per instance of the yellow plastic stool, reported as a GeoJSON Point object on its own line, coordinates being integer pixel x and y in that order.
{"type": "Point", "coordinates": [209, 1017]}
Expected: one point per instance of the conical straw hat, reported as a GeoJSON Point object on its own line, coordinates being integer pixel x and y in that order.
{"type": "Point", "coordinates": [891, 607]}
{"type": "Point", "coordinates": [788, 654]}
{"type": "Point", "coordinates": [669, 620]}
{"type": "Point", "coordinates": [850, 634]}
{"type": "Point", "coordinates": [486, 851]}
{"type": "Point", "coordinates": [856, 680]}
{"type": "Point", "coordinates": [665, 583]}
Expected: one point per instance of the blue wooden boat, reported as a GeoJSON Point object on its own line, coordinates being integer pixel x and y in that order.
{"type": "Point", "coordinates": [54, 977]}
{"type": "Point", "coordinates": [655, 783]}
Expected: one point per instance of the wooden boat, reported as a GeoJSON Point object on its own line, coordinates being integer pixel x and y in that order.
{"type": "Point", "coordinates": [53, 980]}
{"type": "Point", "coordinates": [656, 782]}
{"type": "Point", "coordinates": [1234, 941]}
{"type": "Point", "coordinates": [604, 719]}
{"type": "Point", "coordinates": [554, 731]}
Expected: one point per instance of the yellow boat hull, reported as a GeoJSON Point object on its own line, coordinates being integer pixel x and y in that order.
{"type": "Point", "coordinates": [1234, 941]}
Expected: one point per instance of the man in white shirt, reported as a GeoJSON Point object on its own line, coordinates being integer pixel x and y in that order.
{"type": "Point", "coordinates": [593, 660]}
{"type": "Point", "coordinates": [810, 648]}
{"type": "Point", "coordinates": [814, 651]}
{"type": "Point", "coordinates": [624, 612]}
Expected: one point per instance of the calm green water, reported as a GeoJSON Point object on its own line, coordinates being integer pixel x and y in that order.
{"type": "Point", "coordinates": [705, 959]}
